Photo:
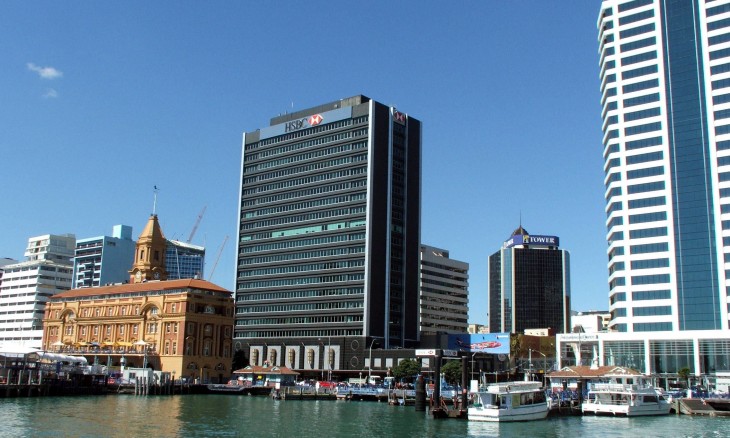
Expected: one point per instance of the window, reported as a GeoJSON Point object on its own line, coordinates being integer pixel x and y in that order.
{"type": "Point", "coordinates": [649, 248]}
{"type": "Point", "coordinates": [647, 202]}
{"type": "Point", "coordinates": [648, 232]}
{"type": "Point", "coordinates": [644, 158]}
{"type": "Point", "coordinates": [640, 100]}
{"type": "Point", "coordinates": [643, 173]}
{"type": "Point", "coordinates": [649, 279]}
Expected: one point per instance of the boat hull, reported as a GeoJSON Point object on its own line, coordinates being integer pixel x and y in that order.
{"type": "Point", "coordinates": [525, 413]}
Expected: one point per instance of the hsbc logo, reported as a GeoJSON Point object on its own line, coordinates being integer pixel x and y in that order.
{"type": "Point", "coordinates": [399, 117]}
{"type": "Point", "coordinates": [315, 120]}
{"type": "Point", "coordinates": [306, 122]}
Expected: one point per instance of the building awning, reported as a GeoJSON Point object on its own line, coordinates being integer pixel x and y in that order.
{"type": "Point", "coordinates": [125, 344]}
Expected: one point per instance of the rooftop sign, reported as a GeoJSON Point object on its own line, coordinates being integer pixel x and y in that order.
{"type": "Point", "coordinates": [305, 122]}
{"type": "Point", "coordinates": [520, 239]}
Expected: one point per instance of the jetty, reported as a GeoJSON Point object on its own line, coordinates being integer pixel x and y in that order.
{"type": "Point", "coordinates": [704, 407]}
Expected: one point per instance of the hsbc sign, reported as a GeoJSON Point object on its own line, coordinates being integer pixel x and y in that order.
{"type": "Point", "coordinates": [399, 117]}
{"type": "Point", "coordinates": [306, 122]}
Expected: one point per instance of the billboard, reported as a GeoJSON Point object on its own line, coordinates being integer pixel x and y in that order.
{"type": "Point", "coordinates": [519, 239]}
{"type": "Point", "coordinates": [495, 343]}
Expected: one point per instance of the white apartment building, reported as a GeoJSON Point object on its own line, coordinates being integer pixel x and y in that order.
{"type": "Point", "coordinates": [26, 287]}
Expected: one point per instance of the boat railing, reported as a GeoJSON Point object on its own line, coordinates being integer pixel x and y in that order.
{"type": "Point", "coordinates": [614, 387]}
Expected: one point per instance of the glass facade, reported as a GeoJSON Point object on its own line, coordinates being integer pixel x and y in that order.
{"type": "Point", "coordinates": [626, 354]}
{"type": "Point", "coordinates": [529, 288]}
{"type": "Point", "coordinates": [667, 120]}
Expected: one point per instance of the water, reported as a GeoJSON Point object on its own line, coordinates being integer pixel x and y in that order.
{"type": "Point", "coordinates": [244, 416]}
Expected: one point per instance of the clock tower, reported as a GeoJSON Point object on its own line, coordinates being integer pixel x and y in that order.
{"type": "Point", "coordinates": [149, 256]}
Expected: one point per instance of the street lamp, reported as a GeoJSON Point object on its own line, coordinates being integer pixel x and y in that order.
{"type": "Point", "coordinates": [329, 363]}
{"type": "Point", "coordinates": [370, 361]}
{"type": "Point", "coordinates": [472, 365]}
{"type": "Point", "coordinates": [544, 365]}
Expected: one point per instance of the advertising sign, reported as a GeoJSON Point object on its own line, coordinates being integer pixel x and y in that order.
{"type": "Point", "coordinates": [305, 122]}
{"type": "Point", "coordinates": [495, 343]}
{"type": "Point", "coordinates": [519, 239]}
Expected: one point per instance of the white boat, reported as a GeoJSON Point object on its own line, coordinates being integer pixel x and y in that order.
{"type": "Point", "coordinates": [509, 401]}
{"type": "Point", "coordinates": [621, 399]}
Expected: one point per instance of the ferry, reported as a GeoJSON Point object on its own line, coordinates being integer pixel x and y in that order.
{"type": "Point", "coordinates": [621, 399]}
{"type": "Point", "coordinates": [509, 401]}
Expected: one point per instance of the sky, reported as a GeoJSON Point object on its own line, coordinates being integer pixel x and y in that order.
{"type": "Point", "coordinates": [102, 101]}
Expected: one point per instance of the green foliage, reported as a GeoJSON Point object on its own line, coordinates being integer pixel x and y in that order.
{"type": "Point", "coordinates": [684, 373]}
{"type": "Point", "coordinates": [239, 360]}
{"type": "Point", "coordinates": [407, 369]}
{"type": "Point", "coordinates": [452, 372]}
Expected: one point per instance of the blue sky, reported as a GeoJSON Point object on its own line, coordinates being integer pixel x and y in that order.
{"type": "Point", "coordinates": [101, 101]}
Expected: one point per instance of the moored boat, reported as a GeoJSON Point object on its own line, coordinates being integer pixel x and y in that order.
{"type": "Point", "coordinates": [509, 401]}
{"type": "Point", "coordinates": [621, 399]}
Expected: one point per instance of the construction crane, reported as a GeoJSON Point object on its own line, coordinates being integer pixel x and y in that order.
{"type": "Point", "coordinates": [195, 227]}
{"type": "Point", "coordinates": [218, 257]}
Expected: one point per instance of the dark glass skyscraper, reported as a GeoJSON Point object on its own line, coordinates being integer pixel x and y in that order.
{"type": "Point", "coordinates": [329, 231]}
{"type": "Point", "coordinates": [529, 285]}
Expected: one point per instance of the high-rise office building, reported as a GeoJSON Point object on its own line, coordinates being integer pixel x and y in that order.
{"type": "Point", "coordinates": [665, 83]}
{"type": "Point", "coordinates": [28, 285]}
{"type": "Point", "coordinates": [329, 231]}
{"type": "Point", "coordinates": [104, 260]}
{"type": "Point", "coordinates": [184, 260]}
{"type": "Point", "coordinates": [444, 292]}
{"type": "Point", "coordinates": [529, 285]}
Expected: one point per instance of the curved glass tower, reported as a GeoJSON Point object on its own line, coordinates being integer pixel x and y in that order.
{"type": "Point", "coordinates": [665, 83]}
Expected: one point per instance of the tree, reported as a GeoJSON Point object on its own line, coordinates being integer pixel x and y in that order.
{"type": "Point", "coordinates": [239, 360]}
{"type": "Point", "coordinates": [452, 372]}
{"type": "Point", "coordinates": [684, 374]}
{"type": "Point", "coordinates": [406, 369]}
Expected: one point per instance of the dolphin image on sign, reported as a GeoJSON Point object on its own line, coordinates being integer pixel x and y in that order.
{"type": "Point", "coordinates": [478, 345]}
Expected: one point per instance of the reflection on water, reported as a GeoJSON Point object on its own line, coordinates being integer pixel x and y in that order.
{"type": "Point", "coordinates": [245, 416]}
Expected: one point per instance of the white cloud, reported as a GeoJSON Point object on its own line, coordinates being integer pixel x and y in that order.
{"type": "Point", "coordinates": [45, 72]}
{"type": "Point", "coordinates": [51, 94]}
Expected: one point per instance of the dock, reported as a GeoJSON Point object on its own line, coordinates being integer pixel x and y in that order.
{"type": "Point", "coordinates": [703, 407]}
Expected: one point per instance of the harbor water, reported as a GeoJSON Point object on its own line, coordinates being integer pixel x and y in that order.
{"type": "Point", "coordinates": [247, 416]}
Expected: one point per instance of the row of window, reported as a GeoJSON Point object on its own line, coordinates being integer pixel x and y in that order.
{"type": "Point", "coordinates": [301, 145]}
{"type": "Point", "coordinates": [302, 255]}
{"type": "Point", "coordinates": [320, 202]}
{"type": "Point", "coordinates": [298, 307]}
{"type": "Point", "coordinates": [303, 230]}
{"type": "Point", "coordinates": [305, 168]}
{"type": "Point", "coordinates": [285, 295]}
{"type": "Point", "coordinates": [302, 242]}
{"type": "Point", "coordinates": [306, 180]}
{"type": "Point", "coordinates": [327, 319]}
{"type": "Point", "coordinates": [340, 264]}
{"type": "Point", "coordinates": [347, 185]}
{"type": "Point", "coordinates": [301, 281]}
{"type": "Point", "coordinates": [318, 153]}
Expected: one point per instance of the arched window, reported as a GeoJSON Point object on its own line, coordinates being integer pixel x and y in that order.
{"type": "Point", "coordinates": [310, 358]}
{"type": "Point", "coordinates": [292, 355]}
{"type": "Point", "coordinates": [272, 356]}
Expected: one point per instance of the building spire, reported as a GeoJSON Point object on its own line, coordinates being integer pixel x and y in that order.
{"type": "Point", "coordinates": [149, 259]}
{"type": "Point", "coordinates": [154, 201]}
